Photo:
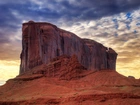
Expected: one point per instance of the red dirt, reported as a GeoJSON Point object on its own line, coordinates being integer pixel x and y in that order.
{"type": "Point", "coordinates": [77, 87]}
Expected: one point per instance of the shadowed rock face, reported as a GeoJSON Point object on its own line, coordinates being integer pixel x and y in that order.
{"type": "Point", "coordinates": [41, 42]}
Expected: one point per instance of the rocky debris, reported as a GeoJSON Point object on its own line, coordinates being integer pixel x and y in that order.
{"type": "Point", "coordinates": [101, 98]}
{"type": "Point", "coordinates": [104, 97]}
{"type": "Point", "coordinates": [72, 69]}
{"type": "Point", "coordinates": [41, 42]}
{"type": "Point", "coordinates": [64, 81]}
{"type": "Point", "coordinates": [27, 78]}
{"type": "Point", "coordinates": [68, 68]}
{"type": "Point", "coordinates": [62, 67]}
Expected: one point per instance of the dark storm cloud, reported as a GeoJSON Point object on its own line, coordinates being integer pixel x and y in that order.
{"type": "Point", "coordinates": [66, 9]}
{"type": "Point", "coordinates": [12, 15]}
{"type": "Point", "coordinates": [94, 9]}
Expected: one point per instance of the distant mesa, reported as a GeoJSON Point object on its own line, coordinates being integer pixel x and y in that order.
{"type": "Point", "coordinates": [31, 21]}
{"type": "Point", "coordinates": [132, 77]}
{"type": "Point", "coordinates": [42, 42]}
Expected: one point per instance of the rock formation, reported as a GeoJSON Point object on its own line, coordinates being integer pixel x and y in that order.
{"type": "Point", "coordinates": [41, 42]}
{"type": "Point", "coordinates": [62, 67]}
{"type": "Point", "coordinates": [54, 71]}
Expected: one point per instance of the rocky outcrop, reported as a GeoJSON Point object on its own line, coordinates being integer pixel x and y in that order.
{"type": "Point", "coordinates": [41, 42]}
{"type": "Point", "coordinates": [131, 77]}
{"type": "Point", "coordinates": [62, 67]}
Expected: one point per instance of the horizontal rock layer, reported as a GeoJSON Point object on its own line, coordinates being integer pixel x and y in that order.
{"type": "Point", "coordinates": [41, 42]}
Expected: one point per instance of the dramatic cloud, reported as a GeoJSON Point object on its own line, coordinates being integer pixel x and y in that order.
{"type": "Point", "coordinates": [125, 41]}
{"type": "Point", "coordinates": [114, 23]}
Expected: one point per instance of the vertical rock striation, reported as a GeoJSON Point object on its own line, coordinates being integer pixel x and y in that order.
{"type": "Point", "coordinates": [41, 42]}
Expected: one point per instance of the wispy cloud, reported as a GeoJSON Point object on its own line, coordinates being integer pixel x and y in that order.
{"type": "Point", "coordinates": [125, 41]}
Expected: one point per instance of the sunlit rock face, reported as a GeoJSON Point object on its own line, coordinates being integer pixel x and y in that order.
{"type": "Point", "coordinates": [41, 42]}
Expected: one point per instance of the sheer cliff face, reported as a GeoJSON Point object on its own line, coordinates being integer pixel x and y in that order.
{"type": "Point", "coordinates": [41, 42]}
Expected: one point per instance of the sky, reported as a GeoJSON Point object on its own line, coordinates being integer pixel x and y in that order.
{"type": "Point", "coordinates": [114, 23]}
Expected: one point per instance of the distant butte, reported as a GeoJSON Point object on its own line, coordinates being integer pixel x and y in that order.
{"type": "Point", "coordinates": [42, 41]}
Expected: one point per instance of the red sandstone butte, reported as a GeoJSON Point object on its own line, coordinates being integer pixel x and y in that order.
{"type": "Point", "coordinates": [41, 42]}
{"type": "Point", "coordinates": [54, 71]}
